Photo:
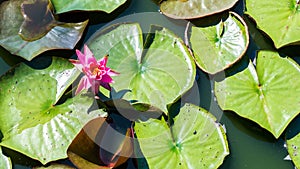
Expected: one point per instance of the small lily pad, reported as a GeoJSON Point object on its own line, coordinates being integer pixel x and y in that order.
{"type": "Point", "coordinates": [89, 5]}
{"type": "Point", "coordinates": [30, 120]}
{"type": "Point", "coordinates": [62, 36]}
{"type": "Point", "coordinates": [268, 95]}
{"type": "Point", "coordinates": [195, 140]}
{"type": "Point", "coordinates": [279, 19]}
{"type": "Point", "coordinates": [190, 9]}
{"type": "Point", "coordinates": [293, 147]}
{"type": "Point", "coordinates": [218, 47]}
{"type": "Point", "coordinates": [4, 161]}
{"type": "Point", "coordinates": [157, 75]}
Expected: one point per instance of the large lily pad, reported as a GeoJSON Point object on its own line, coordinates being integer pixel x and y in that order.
{"type": "Point", "coordinates": [195, 140]}
{"type": "Point", "coordinates": [62, 36]}
{"type": "Point", "coordinates": [30, 120]}
{"type": "Point", "coordinates": [190, 9]}
{"type": "Point", "coordinates": [218, 47]}
{"type": "Point", "coordinates": [70, 5]}
{"type": "Point", "coordinates": [156, 76]}
{"type": "Point", "coordinates": [293, 146]}
{"type": "Point", "coordinates": [4, 161]}
{"type": "Point", "coordinates": [286, 14]}
{"type": "Point", "coordinates": [269, 95]}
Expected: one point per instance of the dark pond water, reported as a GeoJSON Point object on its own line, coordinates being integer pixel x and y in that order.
{"type": "Point", "coordinates": [250, 146]}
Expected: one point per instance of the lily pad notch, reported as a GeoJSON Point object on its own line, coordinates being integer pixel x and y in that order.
{"type": "Point", "coordinates": [268, 94]}
{"type": "Point", "coordinates": [219, 46]}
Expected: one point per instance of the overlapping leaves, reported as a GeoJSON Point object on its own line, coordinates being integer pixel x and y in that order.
{"type": "Point", "coordinates": [195, 140]}
{"type": "Point", "coordinates": [30, 120]}
{"type": "Point", "coordinates": [148, 73]}
{"type": "Point", "coordinates": [22, 32]}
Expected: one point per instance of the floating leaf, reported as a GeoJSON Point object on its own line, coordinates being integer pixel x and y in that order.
{"type": "Point", "coordinates": [293, 146]}
{"type": "Point", "coordinates": [156, 76]}
{"type": "Point", "coordinates": [269, 95]}
{"type": "Point", "coordinates": [195, 140]}
{"type": "Point", "coordinates": [70, 5]}
{"type": "Point", "coordinates": [38, 19]}
{"type": "Point", "coordinates": [55, 166]}
{"type": "Point", "coordinates": [279, 19]}
{"type": "Point", "coordinates": [30, 120]}
{"type": "Point", "coordinates": [63, 36]}
{"type": "Point", "coordinates": [190, 9]}
{"type": "Point", "coordinates": [218, 47]}
{"type": "Point", "coordinates": [5, 162]}
{"type": "Point", "coordinates": [83, 163]}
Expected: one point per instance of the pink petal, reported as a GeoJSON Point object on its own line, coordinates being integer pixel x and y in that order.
{"type": "Point", "coordinates": [89, 56]}
{"type": "Point", "coordinates": [77, 64]}
{"type": "Point", "coordinates": [106, 79]}
{"type": "Point", "coordinates": [81, 57]}
{"type": "Point", "coordinates": [83, 84]}
{"type": "Point", "coordinates": [95, 87]}
{"type": "Point", "coordinates": [112, 73]}
{"type": "Point", "coordinates": [103, 61]}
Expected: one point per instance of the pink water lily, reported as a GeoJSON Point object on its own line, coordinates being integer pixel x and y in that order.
{"type": "Point", "coordinates": [96, 73]}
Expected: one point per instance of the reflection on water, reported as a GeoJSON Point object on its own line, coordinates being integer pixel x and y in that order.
{"type": "Point", "coordinates": [3, 67]}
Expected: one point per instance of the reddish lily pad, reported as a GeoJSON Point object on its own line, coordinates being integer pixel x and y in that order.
{"type": "Point", "coordinates": [190, 9]}
{"type": "Point", "coordinates": [62, 36]}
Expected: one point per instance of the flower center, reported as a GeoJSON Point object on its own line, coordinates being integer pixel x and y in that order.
{"type": "Point", "coordinates": [95, 70]}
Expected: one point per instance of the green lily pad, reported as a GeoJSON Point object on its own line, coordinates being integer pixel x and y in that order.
{"type": "Point", "coordinates": [286, 14]}
{"type": "Point", "coordinates": [190, 9]}
{"type": "Point", "coordinates": [89, 5]}
{"type": "Point", "coordinates": [268, 95]}
{"type": "Point", "coordinates": [30, 120]}
{"type": "Point", "coordinates": [62, 36]}
{"type": "Point", "coordinates": [195, 140]}
{"type": "Point", "coordinates": [157, 75]}
{"type": "Point", "coordinates": [218, 47]}
{"type": "Point", "coordinates": [293, 146]}
{"type": "Point", "coordinates": [4, 161]}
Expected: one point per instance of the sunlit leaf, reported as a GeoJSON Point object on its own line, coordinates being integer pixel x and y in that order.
{"type": "Point", "coordinates": [5, 162]}
{"type": "Point", "coordinates": [157, 75]}
{"type": "Point", "coordinates": [218, 47]}
{"type": "Point", "coordinates": [30, 120]}
{"type": "Point", "coordinates": [280, 19]}
{"type": "Point", "coordinates": [188, 9]}
{"type": "Point", "coordinates": [268, 95]}
{"type": "Point", "coordinates": [70, 5]}
{"type": "Point", "coordinates": [195, 140]}
{"type": "Point", "coordinates": [63, 36]}
{"type": "Point", "coordinates": [293, 146]}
